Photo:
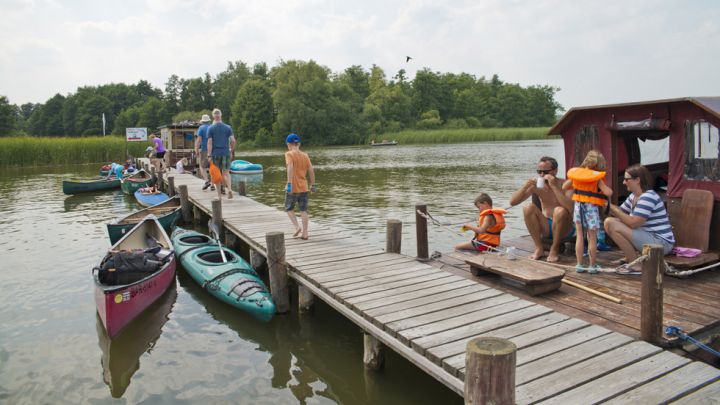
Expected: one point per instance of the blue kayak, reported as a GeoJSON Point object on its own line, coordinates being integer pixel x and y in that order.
{"type": "Point", "coordinates": [245, 167]}
{"type": "Point", "coordinates": [150, 199]}
{"type": "Point", "coordinates": [233, 282]}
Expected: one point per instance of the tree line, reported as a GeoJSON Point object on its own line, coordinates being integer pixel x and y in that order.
{"type": "Point", "coordinates": [263, 104]}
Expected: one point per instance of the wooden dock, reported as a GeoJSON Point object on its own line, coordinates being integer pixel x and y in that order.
{"type": "Point", "coordinates": [428, 315]}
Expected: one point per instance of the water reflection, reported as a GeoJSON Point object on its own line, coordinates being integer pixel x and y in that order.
{"type": "Point", "coordinates": [121, 355]}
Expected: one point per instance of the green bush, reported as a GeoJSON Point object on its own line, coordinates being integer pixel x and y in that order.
{"type": "Point", "coordinates": [456, 123]}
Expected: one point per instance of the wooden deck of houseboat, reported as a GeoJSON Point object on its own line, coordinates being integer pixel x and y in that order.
{"type": "Point", "coordinates": [428, 316]}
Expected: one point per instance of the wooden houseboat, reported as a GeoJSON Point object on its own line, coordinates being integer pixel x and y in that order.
{"type": "Point", "coordinates": [179, 139]}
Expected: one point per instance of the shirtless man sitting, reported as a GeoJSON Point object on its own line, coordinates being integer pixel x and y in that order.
{"type": "Point", "coordinates": [554, 218]}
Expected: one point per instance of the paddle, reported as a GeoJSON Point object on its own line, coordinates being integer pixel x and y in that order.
{"type": "Point", "coordinates": [214, 229]}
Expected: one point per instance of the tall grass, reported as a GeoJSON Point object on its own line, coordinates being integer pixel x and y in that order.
{"type": "Point", "coordinates": [30, 151]}
{"type": "Point", "coordinates": [463, 135]}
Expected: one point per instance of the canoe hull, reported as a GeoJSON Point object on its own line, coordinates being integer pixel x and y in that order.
{"type": "Point", "coordinates": [148, 200]}
{"type": "Point", "coordinates": [76, 186]}
{"type": "Point", "coordinates": [167, 220]}
{"type": "Point", "coordinates": [135, 182]}
{"type": "Point", "coordinates": [234, 283]}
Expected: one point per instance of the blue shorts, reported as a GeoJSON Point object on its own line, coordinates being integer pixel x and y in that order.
{"type": "Point", "coordinates": [300, 198]}
{"type": "Point", "coordinates": [570, 234]}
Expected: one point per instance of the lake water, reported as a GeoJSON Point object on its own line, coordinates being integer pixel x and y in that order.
{"type": "Point", "coordinates": [190, 348]}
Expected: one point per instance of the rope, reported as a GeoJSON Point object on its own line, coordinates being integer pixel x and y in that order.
{"type": "Point", "coordinates": [670, 271]}
{"type": "Point", "coordinates": [676, 331]}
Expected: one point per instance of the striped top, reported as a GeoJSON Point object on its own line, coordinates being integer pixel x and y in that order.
{"type": "Point", "coordinates": [650, 207]}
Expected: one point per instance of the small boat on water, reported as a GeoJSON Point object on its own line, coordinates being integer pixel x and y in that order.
{"type": "Point", "coordinates": [245, 167]}
{"type": "Point", "coordinates": [149, 196]}
{"type": "Point", "coordinates": [233, 282]}
{"type": "Point", "coordinates": [75, 186]}
{"type": "Point", "coordinates": [383, 143]}
{"type": "Point", "coordinates": [135, 181]}
{"type": "Point", "coordinates": [167, 213]}
{"type": "Point", "coordinates": [133, 274]}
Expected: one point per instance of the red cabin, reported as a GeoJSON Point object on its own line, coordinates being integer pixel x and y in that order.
{"type": "Point", "coordinates": [677, 139]}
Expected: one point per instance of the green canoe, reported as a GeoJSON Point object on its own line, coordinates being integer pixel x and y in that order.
{"type": "Point", "coordinates": [135, 181]}
{"type": "Point", "coordinates": [233, 282]}
{"type": "Point", "coordinates": [166, 212]}
{"type": "Point", "coordinates": [75, 186]}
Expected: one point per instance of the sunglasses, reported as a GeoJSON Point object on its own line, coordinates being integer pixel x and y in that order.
{"type": "Point", "coordinates": [629, 178]}
{"type": "Point", "coordinates": [544, 171]}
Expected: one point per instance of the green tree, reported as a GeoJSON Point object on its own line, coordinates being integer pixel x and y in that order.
{"type": "Point", "coordinates": [227, 84]}
{"type": "Point", "coordinates": [89, 114]}
{"type": "Point", "coordinates": [7, 116]}
{"type": "Point", "coordinates": [196, 94]}
{"type": "Point", "coordinates": [173, 88]}
{"type": "Point", "coordinates": [252, 110]}
{"type": "Point", "coordinates": [357, 79]}
{"type": "Point", "coordinates": [47, 119]}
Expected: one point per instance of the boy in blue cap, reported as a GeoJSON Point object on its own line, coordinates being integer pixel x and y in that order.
{"type": "Point", "coordinates": [300, 182]}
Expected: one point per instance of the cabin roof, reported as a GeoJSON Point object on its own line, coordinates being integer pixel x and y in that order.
{"type": "Point", "coordinates": [709, 104]}
{"type": "Point", "coordinates": [182, 124]}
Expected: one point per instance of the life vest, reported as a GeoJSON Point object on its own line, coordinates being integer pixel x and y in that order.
{"type": "Point", "coordinates": [492, 234]}
{"type": "Point", "coordinates": [585, 182]}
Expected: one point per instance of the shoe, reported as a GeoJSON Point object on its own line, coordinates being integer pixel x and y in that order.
{"type": "Point", "coordinates": [594, 269]}
{"type": "Point", "coordinates": [230, 195]}
{"type": "Point", "coordinates": [212, 188]}
{"type": "Point", "coordinates": [625, 269]}
{"type": "Point", "coordinates": [207, 184]}
{"type": "Point", "coordinates": [222, 190]}
{"type": "Point", "coordinates": [580, 268]}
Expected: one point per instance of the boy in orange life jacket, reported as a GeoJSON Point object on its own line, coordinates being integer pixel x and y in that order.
{"type": "Point", "coordinates": [590, 193]}
{"type": "Point", "coordinates": [487, 231]}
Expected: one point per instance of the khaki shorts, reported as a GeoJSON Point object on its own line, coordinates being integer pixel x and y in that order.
{"type": "Point", "coordinates": [204, 162]}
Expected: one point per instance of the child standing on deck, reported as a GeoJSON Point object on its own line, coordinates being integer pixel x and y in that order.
{"type": "Point", "coordinates": [590, 193]}
{"type": "Point", "coordinates": [487, 231]}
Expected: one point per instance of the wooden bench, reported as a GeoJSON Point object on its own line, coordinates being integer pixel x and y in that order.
{"type": "Point", "coordinates": [535, 278]}
{"type": "Point", "coordinates": [692, 229]}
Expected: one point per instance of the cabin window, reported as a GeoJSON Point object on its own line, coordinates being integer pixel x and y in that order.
{"type": "Point", "coordinates": [702, 151]}
{"type": "Point", "coordinates": [585, 141]}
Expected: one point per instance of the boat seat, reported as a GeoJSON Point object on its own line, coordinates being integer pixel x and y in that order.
{"type": "Point", "coordinates": [692, 229]}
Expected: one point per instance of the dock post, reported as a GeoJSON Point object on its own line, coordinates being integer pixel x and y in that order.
{"type": "Point", "coordinates": [373, 352]}
{"type": "Point", "coordinates": [490, 371]}
{"type": "Point", "coordinates": [217, 215]}
{"type": "Point", "coordinates": [306, 299]}
{"type": "Point", "coordinates": [185, 205]}
{"type": "Point", "coordinates": [256, 259]}
{"type": "Point", "coordinates": [197, 215]}
{"type": "Point", "coordinates": [393, 236]}
{"type": "Point", "coordinates": [421, 233]}
{"type": "Point", "coordinates": [278, 274]}
{"type": "Point", "coordinates": [231, 240]}
{"type": "Point", "coordinates": [241, 189]}
{"type": "Point", "coordinates": [651, 295]}
{"type": "Point", "coordinates": [153, 175]}
{"type": "Point", "coordinates": [171, 186]}
{"type": "Point", "coordinates": [160, 181]}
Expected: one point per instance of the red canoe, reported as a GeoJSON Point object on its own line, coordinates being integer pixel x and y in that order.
{"type": "Point", "coordinates": [133, 274]}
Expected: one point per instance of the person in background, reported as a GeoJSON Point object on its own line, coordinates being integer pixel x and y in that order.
{"type": "Point", "coordinates": [552, 219]}
{"type": "Point", "coordinates": [220, 144]}
{"type": "Point", "coordinates": [487, 230]}
{"type": "Point", "coordinates": [180, 165]}
{"type": "Point", "coordinates": [115, 170]}
{"type": "Point", "coordinates": [589, 193]}
{"type": "Point", "coordinates": [300, 173]}
{"type": "Point", "coordinates": [640, 220]}
{"type": "Point", "coordinates": [201, 151]}
{"type": "Point", "coordinates": [159, 151]}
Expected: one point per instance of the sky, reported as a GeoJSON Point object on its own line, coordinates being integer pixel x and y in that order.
{"type": "Point", "coordinates": [596, 52]}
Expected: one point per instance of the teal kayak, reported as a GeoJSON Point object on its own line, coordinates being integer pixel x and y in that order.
{"type": "Point", "coordinates": [234, 282]}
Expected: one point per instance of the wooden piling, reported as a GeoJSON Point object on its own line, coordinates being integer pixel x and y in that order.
{"type": "Point", "coordinates": [231, 240]}
{"type": "Point", "coordinates": [651, 295]}
{"type": "Point", "coordinates": [256, 259]}
{"type": "Point", "coordinates": [160, 181]}
{"type": "Point", "coordinates": [421, 232]}
{"type": "Point", "coordinates": [393, 236]}
{"type": "Point", "coordinates": [185, 205]}
{"type": "Point", "coordinates": [490, 371]}
{"type": "Point", "coordinates": [373, 352]}
{"type": "Point", "coordinates": [306, 299]}
{"type": "Point", "coordinates": [278, 274]}
{"type": "Point", "coordinates": [153, 175]}
{"type": "Point", "coordinates": [217, 215]}
{"type": "Point", "coordinates": [241, 189]}
{"type": "Point", "coordinates": [171, 186]}
{"type": "Point", "coordinates": [197, 215]}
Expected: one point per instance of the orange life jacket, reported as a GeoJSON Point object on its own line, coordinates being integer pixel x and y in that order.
{"type": "Point", "coordinates": [585, 182]}
{"type": "Point", "coordinates": [492, 234]}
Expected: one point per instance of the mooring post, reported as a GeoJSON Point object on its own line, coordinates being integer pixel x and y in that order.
{"type": "Point", "coordinates": [373, 352]}
{"type": "Point", "coordinates": [241, 189]}
{"type": "Point", "coordinates": [185, 205]}
{"type": "Point", "coordinates": [231, 240]}
{"type": "Point", "coordinates": [161, 181]}
{"type": "Point", "coordinates": [421, 232]}
{"type": "Point", "coordinates": [278, 274]}
{"type": "Point", "coordinates": [393, 235]}
{"type": "Point", "coordinates": [306, 299]}
{"type": "Point", "coordinates": [256, 259]}
{"type": "Point", "coordinates": [197, 215]}
{"type": "Point", "coordinates": [217, 215]}
{"type": "Point", "coordinates": [651, 295]}
{"type": "Point", "coordinates": [490, 371]}
{"type": "Point", "coordinates": [171, 186]}
{"type": "Point", "coordinates": [153, 175]}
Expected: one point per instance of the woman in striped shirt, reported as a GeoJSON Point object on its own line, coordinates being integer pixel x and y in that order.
{"type": "Point", "coordinates": [641, 219]}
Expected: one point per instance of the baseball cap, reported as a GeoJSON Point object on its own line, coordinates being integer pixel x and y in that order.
{"type": "Point", "coordinates": [292, 138]}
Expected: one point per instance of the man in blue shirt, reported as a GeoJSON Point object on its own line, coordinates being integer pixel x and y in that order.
{"type": "Point", "coordinates": [201, 150]}
{"type": "Point", "coordinates": [221, 143]}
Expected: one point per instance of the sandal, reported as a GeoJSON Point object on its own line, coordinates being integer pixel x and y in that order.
{"type": "Point", "coordinates": [580, 268]}
{"type": "Point", "coordinates": [625, 269]}
{"type": "Point", "coordinates": [594, 269]}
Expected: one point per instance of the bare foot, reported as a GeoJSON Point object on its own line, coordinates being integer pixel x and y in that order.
{"type": "Point", "coordinates": [304, 237]}
{"type": "Point", "coordinates": [297, 232]}
{"type": "Point", "coordinates": [537, 254]}
{"type": "Point", "coordinates": [553, 258]}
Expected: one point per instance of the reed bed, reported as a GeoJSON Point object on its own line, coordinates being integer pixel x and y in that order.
{"type": "Point", "coordinates": [31, 151]}
{"type": "Point", "coordinates": [463, 135]}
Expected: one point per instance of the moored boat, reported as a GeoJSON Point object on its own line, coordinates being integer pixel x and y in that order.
{"type": "Point", "coordinates": [233, 282]}
{"type": "Point", "coordinates": [147, 197]}
{"type": "Point", "coordinates": [384, 143]}
{"type": "Point", "coordinates": [133, 274]}
{"type": "Point", "coordinates": [245, 167]}
{"type": "Point", "coordinates": [75, 186]}
{"type": "Point", "coordinates": [135, 181]}
{"type": "Point", "coordinates": [167, 213]}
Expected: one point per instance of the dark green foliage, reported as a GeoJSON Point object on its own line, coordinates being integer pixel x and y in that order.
{"type": "Point", "coordinates": [7, 116]}
{"type": "Point", "coordinates": [252, 110]}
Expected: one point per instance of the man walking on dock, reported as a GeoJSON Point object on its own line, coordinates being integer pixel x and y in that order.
{"type": "Point", "coordinates": [220, 144]}
{"type": "Point", "coordinates": [300, 174]}
{"type": "Point", "coordinates": [201, 150]}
